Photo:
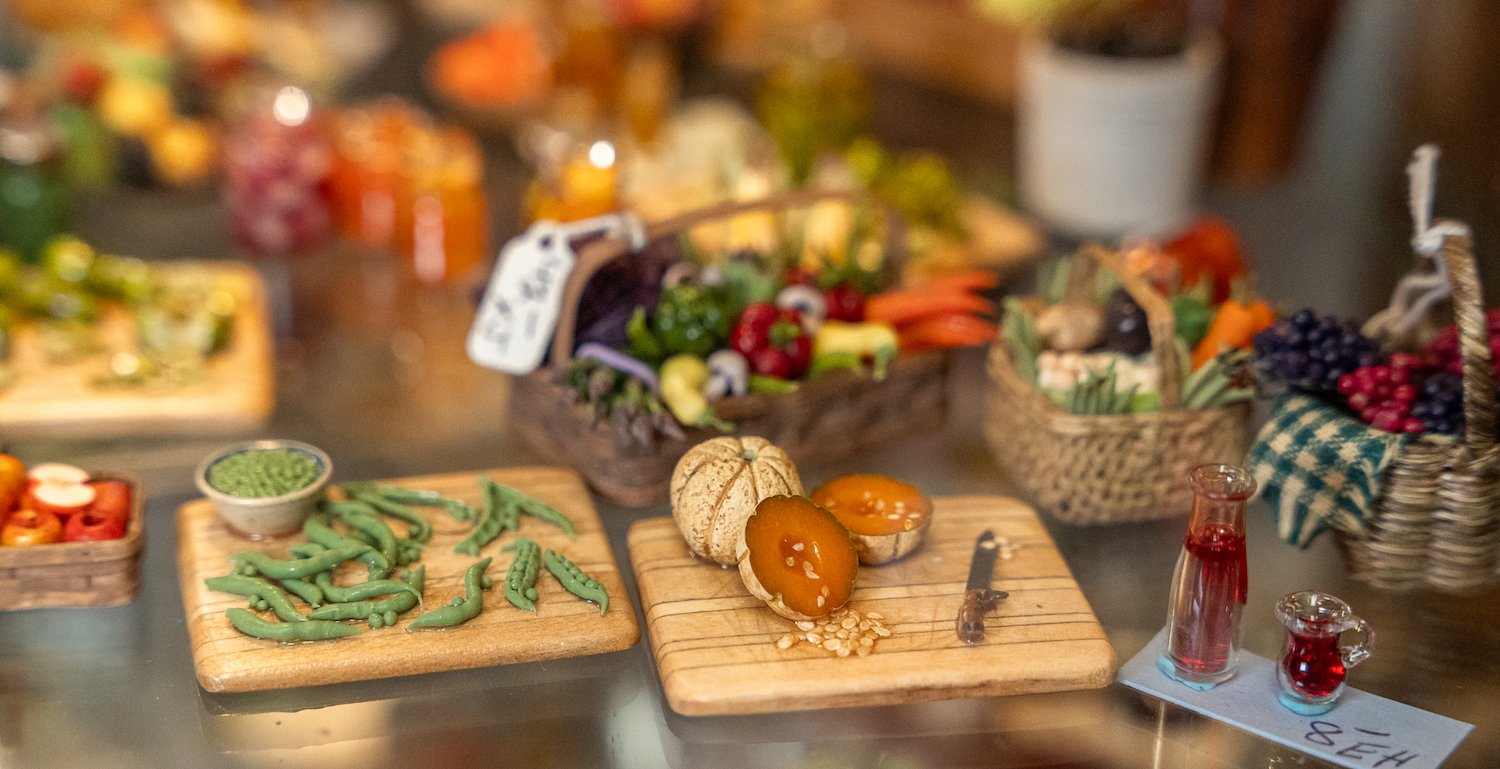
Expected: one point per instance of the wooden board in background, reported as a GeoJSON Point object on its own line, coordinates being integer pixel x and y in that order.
{"type": "Point", "coordinates": [562, 626]}
{"type": "Point", "coordinates": [715, 649]}
{"type": "Point", "coordinates": [58, 400]}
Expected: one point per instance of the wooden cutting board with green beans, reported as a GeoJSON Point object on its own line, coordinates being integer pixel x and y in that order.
{"type": "Point", "coordinates": [409, 576]}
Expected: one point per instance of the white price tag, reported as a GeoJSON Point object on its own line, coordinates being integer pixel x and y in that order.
{"type": "Point", "coordinates": [518, 315]}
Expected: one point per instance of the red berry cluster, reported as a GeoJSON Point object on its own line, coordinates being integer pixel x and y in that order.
{"type": "Point", "coordinates": [1443, 353]}
{"type": "Point", "coordinates": [1383, 395]}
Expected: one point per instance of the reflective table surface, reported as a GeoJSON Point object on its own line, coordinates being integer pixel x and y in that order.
{"type": "Point", "coordinates": [371, 368]}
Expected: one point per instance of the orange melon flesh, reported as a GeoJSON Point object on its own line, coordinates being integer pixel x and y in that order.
{"type": "Point", "coordinates": [801, 553]}
{"type": "Point", "coordinates": [873, 505]}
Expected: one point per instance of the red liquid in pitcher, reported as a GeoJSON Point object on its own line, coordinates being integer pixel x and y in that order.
{"type": "Point", "coordinates": [1313, 664]}
{"type": "Point", "coordinates": [1211, 591]}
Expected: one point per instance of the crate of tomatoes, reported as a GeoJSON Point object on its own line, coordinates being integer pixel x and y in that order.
{"type": "Point", "coordinates": [779, 318]}
{"type": "Point", "coordinates": [68, 537]}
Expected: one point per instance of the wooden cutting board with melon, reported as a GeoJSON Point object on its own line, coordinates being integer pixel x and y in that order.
{"type": "Point", "coordinates": [760, 596]}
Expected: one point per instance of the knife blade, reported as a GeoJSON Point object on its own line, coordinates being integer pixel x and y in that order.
{"type": "Point", "coordinates": [978, 597]}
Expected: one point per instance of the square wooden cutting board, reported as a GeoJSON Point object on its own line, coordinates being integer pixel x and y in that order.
{"type": "Point", "coordinates": [57, 400]}
{"type": "Point", "coordinates": [562, 626]}
{"type": "Point", "coordinates": [715, 644]}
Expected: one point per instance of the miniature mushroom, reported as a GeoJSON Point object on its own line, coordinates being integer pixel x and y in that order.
{"type": "Point", "coordinates": [806, 300]}
{"type": "Point", "coordinates": [729, 374]}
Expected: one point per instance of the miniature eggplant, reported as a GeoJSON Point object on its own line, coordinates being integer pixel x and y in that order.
{"type": "Point", "coordinates": [1125, 327]}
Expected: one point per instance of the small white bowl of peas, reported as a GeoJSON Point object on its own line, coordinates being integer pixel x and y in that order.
{"type": "Point", "coordinates": [265, 488]}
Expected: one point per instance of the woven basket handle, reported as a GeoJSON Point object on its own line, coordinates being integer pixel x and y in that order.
{"type": "Point", "coordinates": [1159, 322]}
{"type": "Point", "coordinates": [1473, 345]}
{"type": "Point", "coordinates": [596, 254]}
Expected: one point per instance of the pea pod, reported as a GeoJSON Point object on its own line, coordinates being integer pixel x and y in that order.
{"type": "Point", "coordinates": [362, 591]}
{"type": "Point", "coordinates": [305, 590]}
{"type": "Point", "coordinates": [255, 562]}
{"type": "Point", "coordinates": [316, 528]}
{"type": "Point", "coordinates": [536, 509]}
{"type": "Point", "coordinates": [462, 609]}
{"type": "Point", "coordinates": [461, 511]}
{"type": "Point", "coordinates": [575, 581]}
{"type": "Point", "coordinates": [265, 591]}
{"type": "Point", "coordinates": [310, 630]}
{"type": "Point", "coordinates": [520, 580]}
{"type": "Point", "coordinates": [508, 512]}
{"type": "Point", "coordinates": [488, 526]}
{"type": "Point", "coordinates": [365, 520]}
{"type": "Point", "coordinates": [390, 605]}
{"type": "Point", "coordinates": [398, 494]}
{"type": "Point", "coordinates": [417, 527]}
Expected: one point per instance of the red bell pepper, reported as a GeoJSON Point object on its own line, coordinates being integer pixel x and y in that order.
{"type": "Point", "coordinates": [30, 527]}
{"type": "Point", "coordinates": [774, 341]}
{"type": "Point", "coordinates": [94, 526]}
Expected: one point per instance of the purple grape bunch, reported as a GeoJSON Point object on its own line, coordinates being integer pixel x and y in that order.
{"type": "Point", "coordinates": [1312, 352]}
{"type": "Point", "coordinates": [1440, 404]}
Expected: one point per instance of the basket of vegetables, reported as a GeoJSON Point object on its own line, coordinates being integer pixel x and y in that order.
{"type": "Point", "coordinates": [662, 346]}
{"type": "Point", "coordinates": [1106, 398]}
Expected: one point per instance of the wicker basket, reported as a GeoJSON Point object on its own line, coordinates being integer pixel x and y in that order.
{"type": "Point", "coordinates": [1436, 519]}
{"type": "Point", "coordinates": [827, 418]}
{"type": "Point", "coordinates": [77, 573]}
{"type": "Point", "coordinates": [1087, 470]}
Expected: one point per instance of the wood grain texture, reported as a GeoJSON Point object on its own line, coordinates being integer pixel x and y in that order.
{"type": "Point", "coordinates": [715, 649]}
{"type": "Point", "coordinates": [562, 626]}
{"type": "Point", "coordinates": [57, 400]}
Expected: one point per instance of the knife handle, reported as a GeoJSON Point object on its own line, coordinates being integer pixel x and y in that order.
{"type": "Point", "coordinates": [977, 602]}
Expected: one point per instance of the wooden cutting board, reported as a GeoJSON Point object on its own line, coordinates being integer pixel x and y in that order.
{"type": "Point", "coordinates": [562, 626]}
{"type": "Point", "coordinates": [715, 644]}
{"type": "Point", "coordinates": [58, 400]}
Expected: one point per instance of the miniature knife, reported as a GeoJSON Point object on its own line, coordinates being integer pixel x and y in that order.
{"type": "Point", "coordinates": [978, 597]}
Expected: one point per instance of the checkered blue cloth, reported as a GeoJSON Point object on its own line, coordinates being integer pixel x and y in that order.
{"type": "Point", "coordinates": [1319, 467]}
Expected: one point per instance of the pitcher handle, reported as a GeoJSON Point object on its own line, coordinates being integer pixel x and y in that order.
{"type": "Point", "coordinates": [1356, 653]}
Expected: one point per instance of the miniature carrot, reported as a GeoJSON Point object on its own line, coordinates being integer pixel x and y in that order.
{"type": "Point", "coordinates": [944, 331]}
{"type": "Point", "coordinates": [911, 305]}
{"type": "Point", "coordinates": [1235, 324]}
{"type": "Point", "coordinates": [968, 281]}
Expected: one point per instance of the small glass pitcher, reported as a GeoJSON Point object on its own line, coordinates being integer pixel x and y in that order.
{"type": "Point", "coordinates": [1315, 663]}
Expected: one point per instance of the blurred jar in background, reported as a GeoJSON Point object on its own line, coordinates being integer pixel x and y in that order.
{"type": "Point", "coordinates": [276, 168]}
{"type": "Point", "coordinates": [370, 174]}
{"type": "Point", "coordinates": [576, 182]}
{"type": "Point", "coordinates": [448, 212]}
{"type": "Point", "coordinates": [34, 200]}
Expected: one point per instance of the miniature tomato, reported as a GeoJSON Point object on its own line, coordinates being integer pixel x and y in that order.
{"type": "Point", "coordinates": [31, 527]}
{"type": "Point", "coordinates": [94, 526]}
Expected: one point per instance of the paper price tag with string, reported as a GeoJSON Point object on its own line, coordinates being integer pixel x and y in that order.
{"type": "Point", "coordinates": [519, 312]}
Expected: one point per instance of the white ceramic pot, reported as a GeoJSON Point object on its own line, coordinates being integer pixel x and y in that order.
{"type": "Point", "coordinates": [1110, 146]}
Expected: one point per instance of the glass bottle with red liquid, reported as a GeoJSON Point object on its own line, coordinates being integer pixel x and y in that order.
{"type": "Point", "coordinates": [1211, 582]}
{"type": "Point", "coordinates": [1315, 663]}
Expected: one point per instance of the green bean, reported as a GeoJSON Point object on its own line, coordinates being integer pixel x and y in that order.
{"type": "Point", "coordinates": [362, 591]}
{"type": "Point", "coordinates": [537, 509]}
{"type": "Point", "coordinates": [265, 591]}
{"type": "Point", "coordinates": [398, 494]}
{"type": "Point", "coordinates": [362, 518]}
{"type": "Point", "coordinates": [486, 528]}
{"type": "Point", "coordinates": [520, 580]}
{"type": "Point", "coordinates": [316, 528]}
{"type": "Point", "coordinates": [393, 604]}
{"type": "Point", "coordinates": [310, 630]}
{"type": "Point", "coordinates": [305, 590]}
{"type": "Point", "coordinates": [460, 610]}
{"type": "Point", "coordinates": [508, 511]}
{"type": "Point", "coordinates": [305, 549]}
{"type": "Point", "coordinates": [253, 562]}
{"type": "Point", "coordinates": [575, 581]}
{"type": "Point", "coordinates": [417, 527]}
